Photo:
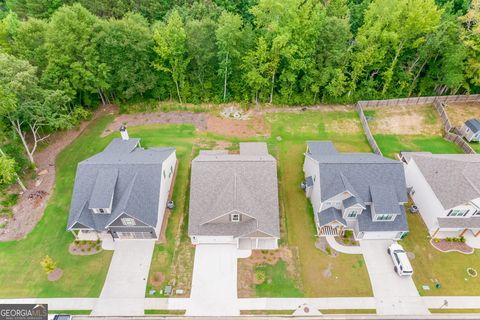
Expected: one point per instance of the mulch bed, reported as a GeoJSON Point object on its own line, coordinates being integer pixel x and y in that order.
{"type": "Point", "coordinates": [55, 275]}
{"type": "Point", "coordinates": [83, 249]}
{"type": "Point", "coordinates": [450, 246]}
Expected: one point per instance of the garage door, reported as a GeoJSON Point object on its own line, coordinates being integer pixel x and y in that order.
{"type": "Point", "coordinates": [134, 235]}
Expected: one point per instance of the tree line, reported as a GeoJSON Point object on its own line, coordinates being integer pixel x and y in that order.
{"type": "Point", "coordinates": [58, 57]}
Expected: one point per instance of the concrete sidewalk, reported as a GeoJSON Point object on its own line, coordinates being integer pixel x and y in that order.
{"type": "Point", "coordinates": [342, 248]}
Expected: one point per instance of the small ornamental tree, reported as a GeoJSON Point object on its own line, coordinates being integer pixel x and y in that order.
{"type": "Point", "coordinates": [48, 264]}
{"type": "Point", "coordinates": [7, 170]}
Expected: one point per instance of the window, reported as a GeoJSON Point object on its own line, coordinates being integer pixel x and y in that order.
{"type": "Point", "coordinates": [476, 213]}
{"type": "Point", "coordinates": [171, 171]}
{"type": "Point", "coordinates": [128, 222]}
{"type": "Point", "coordinates": [101, 210]}
{"type": "Point", "coordinates": [457, 213]}
{"type": "Point", "coordinates": [384, 217]}
{"type": "Point", "coordinates": [352, 213]}
{"type": "Point", "coordinates": [164, 175]}
{"type": "Point", "coordinates": [235, 217]}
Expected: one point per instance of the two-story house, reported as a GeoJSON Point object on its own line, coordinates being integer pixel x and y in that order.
{"type": "Point", "coordinates": [122, 192]}
{"type": "Point", "coordinates": [234, 198]}
{"type": "Point", "coordinates": [446, 190]}
{"type": "Point", "coordinates": [362, 192]}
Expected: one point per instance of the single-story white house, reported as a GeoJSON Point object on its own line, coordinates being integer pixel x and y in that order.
{"type": "Point", "coordinates": [446, 190]}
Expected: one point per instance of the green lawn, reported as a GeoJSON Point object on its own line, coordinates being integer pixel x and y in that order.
{"type": "Point", "coordinates": [392, 144]}
{"type": "Point", "coordinates": [174, 259]}
{"type": "Point", "coordinates": [277, 283]}
{"type": "Point", "coordinates": [21, 275]}
{"type": "Point", "coordinates": [475, 146]}
{"type": "Point", "coordinates": [449, 268]}
{"type": "Point", "coordinates": [349, 274]}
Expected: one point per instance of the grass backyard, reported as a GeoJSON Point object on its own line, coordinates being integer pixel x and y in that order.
{"type": "Point", "coordinates": [21, 275]}
{"type": "Point", "coordinates": [412, 128]}
{"type": "Point", "coordinates": [290, 131]}
{"type": "Point", "coordinates": [430, 265]}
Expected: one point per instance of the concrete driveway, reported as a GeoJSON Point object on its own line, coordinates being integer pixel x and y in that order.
{"type": "Point", "coordinates": [394, 295]}
{"type": "Point", "coordinates": [214, 283]}
{"type": "Point", "coordinates": [123, 292]}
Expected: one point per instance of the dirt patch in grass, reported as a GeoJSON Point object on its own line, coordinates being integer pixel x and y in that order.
{"type": "Point", "coordinates": [246, 268]}
{"type": "Point", "coordinates": [31, 204]}
{"type": "Point", "coordinates": [199, 120]}
{"type": "Point", "coordinates": [447, 246]}
{"type": "Point", "coordinates": [157, 279]}
{"type": "Point", "coordinates": [254, 125]}
{"type": "Point", "coordinates": [55, 275]}
{"type": "Point", "coordinates": [458, 113]}
{"type": "Point", "coordinates": [404, 120]}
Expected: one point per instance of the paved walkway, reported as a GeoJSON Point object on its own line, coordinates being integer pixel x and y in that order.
{"type": "Point", "coordinates": [342, 248]}
{"type": "Point", "coordinates": [123, 292]}
{"type": "Point", "coordinates": [472, 241]}
{"type": "Point", "coordinates": [394, 295]}
{"type": "Point", "coordinates": [214, 282]}
{"type": "Point", "coordinates": [433, 302]}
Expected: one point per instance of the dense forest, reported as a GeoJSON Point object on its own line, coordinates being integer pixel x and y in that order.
{"type": "Point", "coordinates": [60, 57]}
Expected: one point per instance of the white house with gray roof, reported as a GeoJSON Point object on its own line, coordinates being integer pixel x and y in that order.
{"type": "Point", "coordinates": [234, 198]}
{"type": "Point", "coordinates": [471, 130]}
{"type": "Point", "coordinates": [121, 192]}
{"type": "Point", "coordinates": [362, 192]}
{"type": "Point", "coordinates": [446, 190]}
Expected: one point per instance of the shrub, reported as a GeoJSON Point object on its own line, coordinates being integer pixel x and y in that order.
{"type": "Point", "coordinates": [260, 276]}
{"type": "Point", "coordinates": [98, 247]}
{"type": "Point", "coordinates": [48, 264]}
{"type": "Point", "coordinates": [462, 239]}
{"type": "Point", "coordinates": [348, 234]}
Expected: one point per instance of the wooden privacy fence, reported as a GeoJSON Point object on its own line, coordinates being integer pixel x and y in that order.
{"type": "Point", "coordinates": [451, 133]}
{"type": "Point", "coordinates": [418, 101]}
{"type": "Point", "coordinates": [366, 129]}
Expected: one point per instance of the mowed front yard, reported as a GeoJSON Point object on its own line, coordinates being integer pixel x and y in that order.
{"type": "Point", "coordinates": [431, 265]}
{"type": "Point", "coordinates": [408, 128]}
{"type": "Point", "coordinates": [21, 274]}
{"type": "Point", "coordinates": [348, 275]}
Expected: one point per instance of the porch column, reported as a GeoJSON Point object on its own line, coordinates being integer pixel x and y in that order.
{"type": "Point", "coordinates": [435, 233]}
{"type": "Point", "coordinates": [477, 233]}
{"type": "Point", "coordinates": [256, 243]}
{"type": "Point", "coordinates": [463, 232]}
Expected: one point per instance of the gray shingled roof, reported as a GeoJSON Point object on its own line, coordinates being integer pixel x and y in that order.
{"type": "Point", "coordinates": [321, 147]}
{"type": "Point", "coordinates": [366, 224]}
{"type": "Point", "coordinates": [221, 184]}
{"type": "Point", "coordinates": [347, 203]}
{"type": "Point", "coordinates": [328, 215]}
{"type": "Point", "coordinates": [370, 178]}
{"type": "Point", "coordinates": [385, 199]}
{"type": "Point", "coordinates": [253, 148]}
{"type": "Point", "coordinates": [135, 190]}
{"type": "Point", "coordinates": [473, 124]}
{"type": "Point", "coordinates": [472, 222]}
{"type": "Point", "coordinates": [454, 178]}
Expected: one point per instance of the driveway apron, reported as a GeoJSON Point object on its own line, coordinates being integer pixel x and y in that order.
{"type": "Point", "coordinates": [123, 292]}
{"type": "Point", "coordinates": [214, 283]}
{"type": "Point", "coordinates": [394, 295]}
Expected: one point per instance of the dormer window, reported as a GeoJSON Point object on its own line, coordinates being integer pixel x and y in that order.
{"type": "Point", "coordinates": [352, 213]}
{"type": "Point", "coordinates": [235, 217]}
{"type": "Point", "coordinates": [101, 210]}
